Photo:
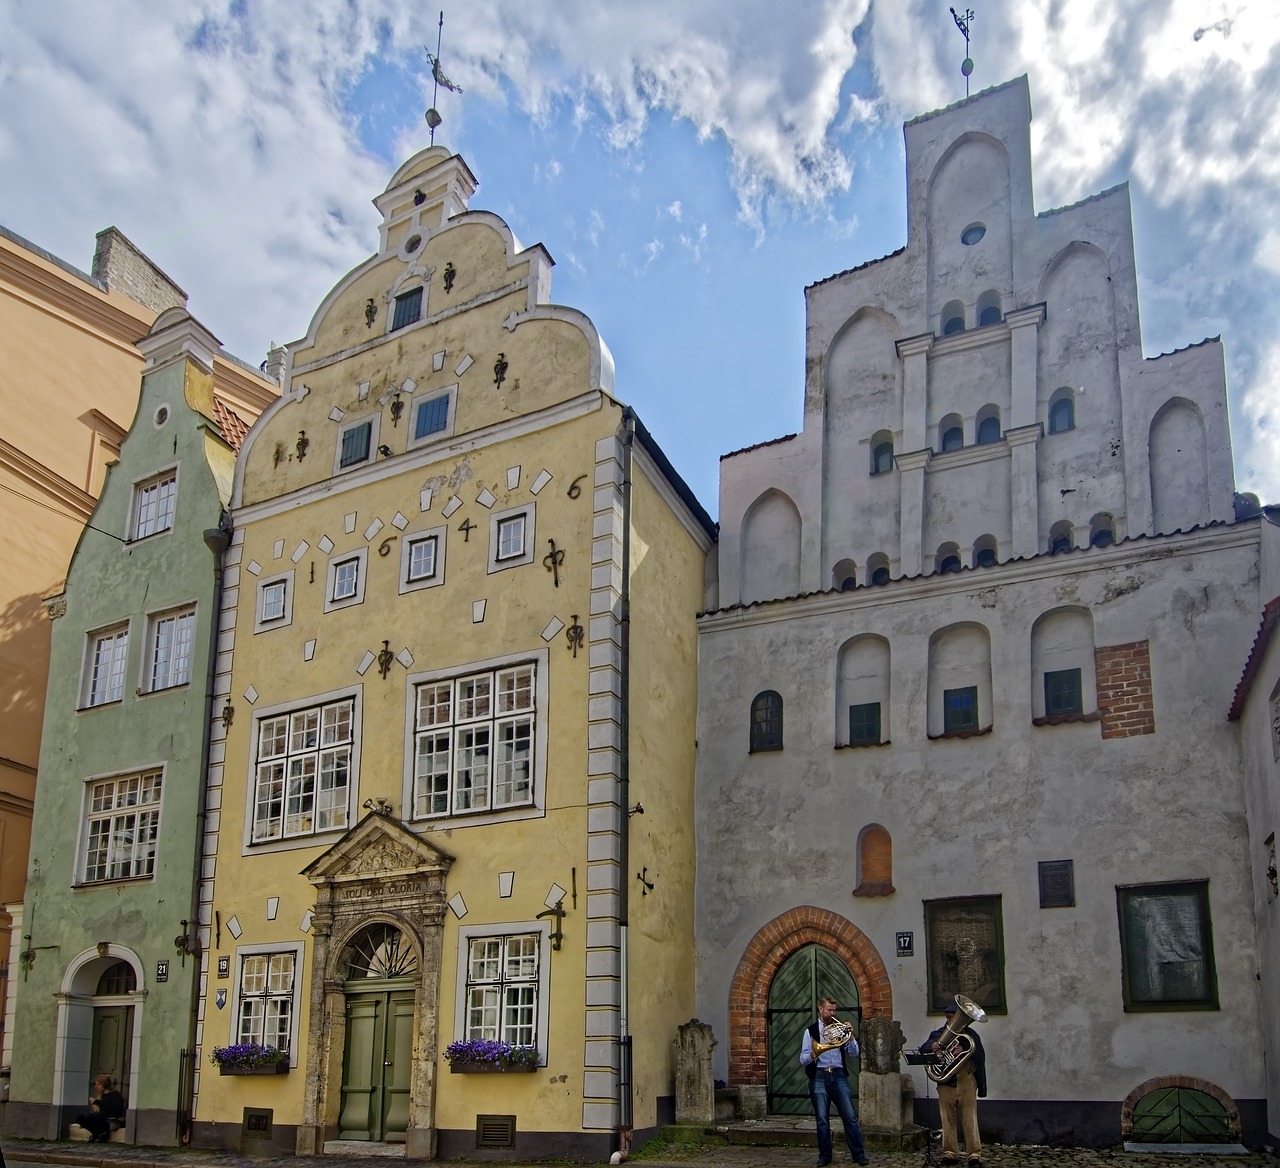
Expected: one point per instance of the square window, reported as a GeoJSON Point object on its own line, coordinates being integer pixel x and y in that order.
{"type": "Point", "coordinates": [122, 820]}
{"type": "Point", "coordinates": [511, 539]}
{"type": "Point", "coordinates": [153, 505]}
{"type": "Point", "coordinates": [355, 444]}
{"type": "Point", "coordinates": [960, 709]}
{"type": "Point", "coordinates": [346, 578]}
{"type": "Point", "coordinates": [965, 943]}
{"type": "Point", "coordinates": [267, 990]}
{"type": "Point", "coordinates": [408, 309]}
{"type": "Point", "coordinates": [346, 581]}
{"type": "Point", "coordinates": [864, 724]}
{"type": "Point", "coordinates": [104, 671]}
{"type": "Point", "coordinates": [275, 602]}
{"type": "Point", "coordinates": [169, 649]}
{"type": "Point", "coordinates": [1166, 946]}
{"type": "Point", "coordinates": [273, 598]}
{"type": "Point", "coordinates": [502, 987]}
{"type": "Point", "coordinates": [422, 558]}
{"type": "Point", "coordinates": [431, 416]}
{"type": "Point", "coordinates": [1063, 693]}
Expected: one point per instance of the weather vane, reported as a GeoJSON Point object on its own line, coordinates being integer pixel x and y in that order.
{"type": "Point", "coordinates": [438, 79]}
{"type": "Point", "coordinates": [962, 23]}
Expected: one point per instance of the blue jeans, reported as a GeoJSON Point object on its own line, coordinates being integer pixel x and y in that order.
{"type": "Point", "coordinates": [828, 1087]}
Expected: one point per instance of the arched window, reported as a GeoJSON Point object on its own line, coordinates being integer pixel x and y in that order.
{"type": "Point", "coordinates": [766, 721]}
{"type": "Point", "coordinates": [948, 558]}
{"type": "Point", "coordinates": [119, 978]}
{"type": "Point", "coordinates": [985, 552]}
{"type": "Point", "coordinates": [989, 308]}
{"type": "Point", "coordinates": [844, 576]}
{"type": "Point", "coordinates": [878, 569]}
{"type": "Point", "coordinates": [1060, 537]}
{"type": "Point", "coordinates": [988, 425]}
{"type": "Point", "coordinates": [950, 433]}
{"type": "Point", "coordinates": [1102, 530]}
{"type": "Point", "coordinates": [882, 457]}
{"type": "Point", "coordinates": [1062, 412]}
{"type": "Point", "coordinates": [880, 576]}
{"type": "Point", "coordinates": [379, 951]}
{"type": "Point", "coordinates": [952, 318]}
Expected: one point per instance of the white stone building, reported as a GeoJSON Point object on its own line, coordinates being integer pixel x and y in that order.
{"type": "Point", "coordinates": [963, 714]}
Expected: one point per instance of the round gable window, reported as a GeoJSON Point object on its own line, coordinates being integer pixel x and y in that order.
{"type": "Point", "coordinates": [973, 234]}
{"type": "Point", "coordinates": [161, 416]}
{"type": "Point", "coordinates": [413, 243]}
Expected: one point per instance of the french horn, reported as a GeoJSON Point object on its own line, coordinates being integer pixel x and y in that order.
{"type": "Point", "coordinates": [956, 1045]}
{"type": "Point", "coordinates": [838, 1033]}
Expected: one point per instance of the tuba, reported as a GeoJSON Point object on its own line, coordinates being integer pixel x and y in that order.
{"type": "Point", "coordinates": [956, 1045]}
{"type": "Point", "coordinates": [838, 1033]}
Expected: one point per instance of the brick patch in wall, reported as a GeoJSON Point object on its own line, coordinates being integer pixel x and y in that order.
{"type": "Point", "coordinates": [1125, 699]}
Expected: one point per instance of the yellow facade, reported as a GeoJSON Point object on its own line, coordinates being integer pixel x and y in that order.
{"type": "Point", "coordinates": [481, 441]}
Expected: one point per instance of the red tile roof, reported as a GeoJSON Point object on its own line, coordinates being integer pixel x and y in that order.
{"type": "Point", "coordinates": [233, 426]}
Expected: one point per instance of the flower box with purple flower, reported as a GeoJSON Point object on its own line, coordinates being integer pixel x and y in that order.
{"type": "Point", "coordinates": [482, 1056]}
{"type": "Point", "coordinates": [250, 1058]}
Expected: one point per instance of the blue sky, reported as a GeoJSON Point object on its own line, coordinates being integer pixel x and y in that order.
{"type": "Point", "coordinates": [690, 166]}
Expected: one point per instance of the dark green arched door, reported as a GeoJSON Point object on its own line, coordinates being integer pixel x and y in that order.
{"type": "Point", "coordinates": [1180, 1115]}
{"type": "Point", "coordinates": [807, 976]}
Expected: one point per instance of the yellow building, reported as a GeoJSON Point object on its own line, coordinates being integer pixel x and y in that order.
{"type": "Point", "coordinates": [458, 661]}
{"type": "Point", "coordinates": [71, 372]}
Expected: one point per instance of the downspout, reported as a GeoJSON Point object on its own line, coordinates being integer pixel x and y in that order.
{"type": "Point", "coordinates": [217, 539]}
{"type": "Point", "coordinates": [626, 1122]}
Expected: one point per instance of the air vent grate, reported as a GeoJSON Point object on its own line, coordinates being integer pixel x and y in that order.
{"type": "Point", "coordinates": [495, 1131]}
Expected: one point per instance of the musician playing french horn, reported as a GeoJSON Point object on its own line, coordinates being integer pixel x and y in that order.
{"type": "Point", "coordinates": [822, 1053]}
{"type": "Point", "coordinates": [958, 1095]}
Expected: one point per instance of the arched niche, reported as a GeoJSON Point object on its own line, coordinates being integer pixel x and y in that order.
{"type": "Point", "coordinates": [959, 681]}
{"type": "Point", "coordinates": [844, 576]}
{"type": "Point", "coordinates": [862, 368]}
{"type": "Point", "coordinates": [1062, 665]}
{"type": "Point", "coordinates": [1179, 467]}
{"type": "Point", "coordinates": [875, 862]}
{"type": "Point", "coordinates": [862, 692]}
{"type": "Point", "coordinates": [770, 545]}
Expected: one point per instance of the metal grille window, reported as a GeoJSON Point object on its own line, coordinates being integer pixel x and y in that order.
{"type": "Point", "coordinates": [153, 504]}
{"type": "Point", "coordinates": [107, 654]}
{"type": "Point", "coordinates": [1062, 692]}
{"type": "Point", "coordinates": [502, 989]}
{"type": "Point", "coordinates": [304, 771]}
{"type": "Point", "coordinates": [960, 709]}
{"type": "Point", "coordinates": [864, 724]}
{"type": "Point", "coordinates": [169, 651]}
{"type": "Point", "coordinates": [474, 742]}
{"type": "Point", "coordinates": [266, 998]}
{"type": "Point", "coordinates": [408, 309]}
{"type": "Point", "coordinates": [433, 416]}
{"type": "Point", "coordinates": [1166, 946]}
{"type": "Point", "coordinates": [766, 721]}
{"type": "Point", "coordinates": [122, 822]}
{"type": "Point", "coordinates": [355, 444]}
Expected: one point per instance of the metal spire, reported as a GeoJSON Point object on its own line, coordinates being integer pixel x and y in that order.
{"type": "Point", "coordinates": [438, 79]}
{"type": "Point", "coordinates": [962, 23]}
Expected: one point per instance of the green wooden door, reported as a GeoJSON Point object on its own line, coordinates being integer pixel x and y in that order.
{"type": "Point", "coordinates": [1180, 1115]}
{"type": "Point", "coordinates": [807, 976]}
{"type": "Point", "coordinates": [112, 1046]}
{"type": "Point", "coordinates": [376, 1065]}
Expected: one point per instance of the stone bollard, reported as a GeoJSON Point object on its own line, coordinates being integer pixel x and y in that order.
{"type": "Point", "coordinates": [880, 1083]}
{"type": "Point", "coordinates": [695, 1086]}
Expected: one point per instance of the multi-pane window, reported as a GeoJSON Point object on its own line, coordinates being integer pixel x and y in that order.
{"type": "Point", "coordinates": [408, 309]}
{"type": "Point", "coordinates": [1062, 692]}
{"type": "Point", "coordinates": [474, 739]}
{"type": "Point", "coordinates": [303, 771]}
{"type": "Point", "coordinates": [502, 989]}
{"type": "Point", "coordinates": [122, 821]}
{"type": "Point", "coordinates": [346, 579]}
{"type": "Point", "coordinates": [1166, 946]}
{"type": "Point", "coordinates": [422, 559]}
{"type": "Point", "coordinates": [107, 654]}
{"type": "Point", "coordinates": [864, 724]}
{"type": "Point", "coordinates": [511, 537]}
{"type": "Point", "coordinates": [153, 503]}
{"type": "Point", "coordinates": [169, 649]}
{"type": "Point", "coordinates": [273, 598]}
{"type": "Point", "coordinates": [266, 998]}
{"type": "Point", "coordinates": [355, 444]}
{"type": "Point", "coordinates": [960, 709]}
{"type": "Point", "coordinates": [432, 417]}
{"type": "Point", "coordinates": [766, 721]}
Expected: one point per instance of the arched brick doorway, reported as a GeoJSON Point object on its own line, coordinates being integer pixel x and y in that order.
{"type": "Point", "coordinates": [768, 949]}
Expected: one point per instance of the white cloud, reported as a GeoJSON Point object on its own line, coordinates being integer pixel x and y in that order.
{"type": "Point", "coordinates": [676, 211]}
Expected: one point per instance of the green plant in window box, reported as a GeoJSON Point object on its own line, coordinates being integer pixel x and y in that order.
{"type": "Point", "coordinates": [484, 1055]}
{"type": "Point", "coordinates": [250, 1058]}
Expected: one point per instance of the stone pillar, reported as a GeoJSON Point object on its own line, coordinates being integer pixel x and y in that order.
{"type": "Point", "coordinates": [695, 1087]}
{"type": "Point", "coordinates": [1024, 327]}
{"type": "Point", "coordinates": [880, 1083]}
{"type": "Point", "coordinates": [914, 354]}
{"type": "Point", "coordinates": [912, 468]}
{"type": "Point", "coordinates": [1024, 490]}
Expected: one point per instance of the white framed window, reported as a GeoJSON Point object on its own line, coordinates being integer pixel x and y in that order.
{"type": "Point", "coordinates": [511, 538]}
{"type": "Point", "coordinates": [274, 607]}
{"type": "Point", "coordinates": [345, 585]}
{"type": "Point", "coordinates": [154, 500]}
{"type": "Point", "coordinates": [121, 825]}
{"type": "Point", "coordinates": [169, 647]}
{"type": "Point", "coordinates": [357, 442]}
{"type": "Point", "coordinates": [422, 559]}
{"type": "Point", "coordinates": [431, 415]}
{"type": "Point", "coordinates": [268, 990]}
{"type": "Point", "coordinates": [503, 985]}
{"type": "Point", "coordinates": [478, 739]}
{"type": "Point", "coordinates": [305, 766]}
{"type": "Point", "coordinates": [104, 666]}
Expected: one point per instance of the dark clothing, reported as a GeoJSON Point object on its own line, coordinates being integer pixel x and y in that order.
{"type": "Point", "coordinates": [958, 1101]}
{"type": "Point", "coordinates": [977, 1061]}
{"type": "Point", "coordinates": [98, 1121]}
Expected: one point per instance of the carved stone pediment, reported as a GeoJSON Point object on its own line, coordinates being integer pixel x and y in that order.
{"type": "Point", "coordinates": [377, 847]}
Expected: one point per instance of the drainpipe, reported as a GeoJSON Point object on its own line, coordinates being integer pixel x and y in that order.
{"type": "Point", "coordinates": [626, 1121]}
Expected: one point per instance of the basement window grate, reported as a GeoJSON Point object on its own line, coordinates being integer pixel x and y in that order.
{"type": "Point", "coordinates": [495, 1131]}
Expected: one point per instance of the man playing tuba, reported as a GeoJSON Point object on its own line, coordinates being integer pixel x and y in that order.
{"type": "Point", "coordinates": [958, 1094]}
{"type": "Point", "coordinates": [822, 1054]}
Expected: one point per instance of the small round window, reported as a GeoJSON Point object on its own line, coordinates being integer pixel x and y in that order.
{"type": "Point", "coordinates": [973, 234]}
{"type": "Point", "coordinates": [415, 241]}
{"type": "Point", "coordinates": [161, 416]}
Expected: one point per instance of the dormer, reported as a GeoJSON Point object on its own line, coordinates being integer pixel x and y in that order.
{"type": "Point", "coordinates": [422, 196]}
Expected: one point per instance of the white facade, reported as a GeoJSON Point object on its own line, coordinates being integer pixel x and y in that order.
{"type": "Point", "coordinates": [896, 557]}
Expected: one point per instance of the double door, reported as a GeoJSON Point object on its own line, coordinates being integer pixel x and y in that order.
{"type": "Point", "coordinates": [376, 1065]}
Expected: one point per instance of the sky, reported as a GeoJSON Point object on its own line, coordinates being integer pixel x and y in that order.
{"type": "Point", "coordinates": [691, 165]}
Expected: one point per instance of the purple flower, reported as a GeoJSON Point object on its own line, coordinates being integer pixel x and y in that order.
{"type": "Point", "coordinates": [488, 1050]}
{"type": "Point", "coordinates": [247, 1054]}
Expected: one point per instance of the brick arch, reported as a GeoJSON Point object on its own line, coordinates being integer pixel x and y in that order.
{"type": "Point", "coordinates": [1160, 1082]}
{"type": "Point", "coordinates": [768, 949]}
